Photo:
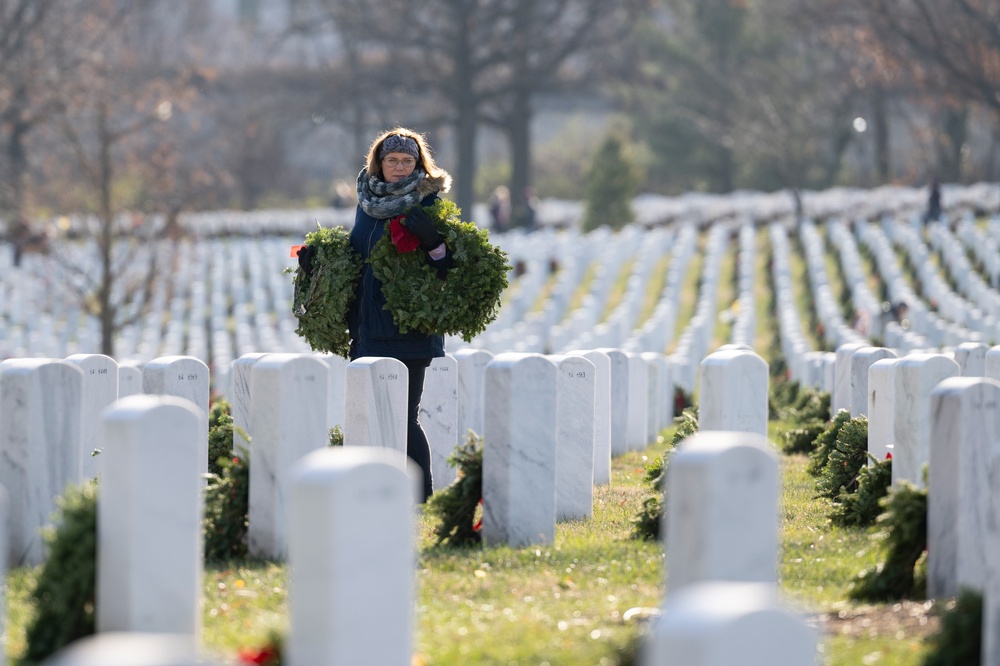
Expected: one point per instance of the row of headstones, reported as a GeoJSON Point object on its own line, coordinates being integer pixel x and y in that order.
{"type": "Point", "coordinates": [720, 527]}
{"type": "Point", "coordinates": [49, 414]}
{"type": "Point", "coordinates": [657, 332]}
{"type": "Point", "coordinates": [981, 295]}
{"type": "Point", "coordinates": [967, 319]}
{"type": "Point", "coordinates": [351, 586]}
{"type": "Point", "coordinates": [941, 412]}
{"type": "Point", "coordinates": [983, 244]}
{"type": "Point", "coordinates": [49, 410]}
{"type": "Point", "coordinates": [924, 328]}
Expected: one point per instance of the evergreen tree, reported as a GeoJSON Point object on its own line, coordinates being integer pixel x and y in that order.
{"type": "Point", "coordinates": [611, 184]}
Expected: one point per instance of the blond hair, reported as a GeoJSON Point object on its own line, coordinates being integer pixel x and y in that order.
{"type": "Point", "coordinates": [426, 161]}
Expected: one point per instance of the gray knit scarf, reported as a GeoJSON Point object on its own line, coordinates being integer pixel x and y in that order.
{"type": "Point", "coordinates": [383, 200]}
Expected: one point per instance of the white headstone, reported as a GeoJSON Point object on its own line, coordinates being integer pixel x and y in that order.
{"type": "Point", "coordinates": [574, 437]}
{"type": "Point", "coordinates": [840, 397]}
{"type": "Point", "coordinates": [376, 403]}
{"type": "Point", "coordinates": [241, 402]}
{"type": "Point", "coordinates": [41, 408]}
{"type": "Point", "coordinates": [149, 513]}
{"type": "Point", "coordinates": [184, 377]}
{"type": "Point", "coordinates": [638, 402]}
{"type": "Point", "coordinates": [965, 426]}
{"type": "Point", "coordinates": [721, 520]}
{"type": "Point", "coordinates": [991, 598]}
{"type": "Point", "coordinates": [733, 392]}
{"type": "Point", "coordinates": [861, 360]}
{"type": "Point", "coordinates": [129, 378]}
{"type": "Point", "coordinates": [724, 624]}
{"type": "Point", "coordinates": [471, 380]}
{"type": "Point", "coordinates": [619, 400]}
{"type": "Point", "coordinates": [287, 421]}
{"type": "Point", "coordinates": [337, 389]}
{"type": "Point", "coordinates": [916, 375]}
{"type": "Point", "coordinates": [992, 363]}
{"type": "Point", "coordinates": [100, 389]}
{"type": "Point", "coordinates": [602, 414]}
{"type": "Point", "coordinates": [439, 417]}
{"type": "Point", "coordinates": [971, 359]}
{"type": "Point", "coordinates": [116, 648]}
{"type": "Point", "coordinates": [351, 558]}
{"type": "Point", "coordinates": [660, 394]}
{"type": "Point", "coordinates": [881, 407]}
{"type": "Point", "coordinates": [519, 450]}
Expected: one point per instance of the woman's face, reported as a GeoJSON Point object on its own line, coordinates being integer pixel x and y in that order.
{"type": "Point", "coordinates": [397, 166]}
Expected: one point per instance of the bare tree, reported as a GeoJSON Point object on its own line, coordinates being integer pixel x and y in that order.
{"type": "Point", "coordinates": [116, 115]}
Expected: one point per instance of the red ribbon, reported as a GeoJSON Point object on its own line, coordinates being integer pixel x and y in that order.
{"type": "Point", "coordinates": [402, 238]}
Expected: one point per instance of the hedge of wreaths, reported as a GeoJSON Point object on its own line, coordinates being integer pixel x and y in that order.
{"type": "Point", "coordinates": [461, 301]}
{"type": "Point", "coordinates": [465, 301]}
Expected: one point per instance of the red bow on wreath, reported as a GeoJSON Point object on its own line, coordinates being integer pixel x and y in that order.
{"type": "Point", "coordinates": [402, 238]}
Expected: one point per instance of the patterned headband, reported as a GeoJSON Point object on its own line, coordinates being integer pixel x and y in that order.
{"type": "Point", "coordinates": [394, 143]}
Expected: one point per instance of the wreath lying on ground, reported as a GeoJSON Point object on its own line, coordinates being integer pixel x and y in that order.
{"type": "Point", "coordinates": [322, 296]}
{"type": "Point", "coordinates": [462, 301]}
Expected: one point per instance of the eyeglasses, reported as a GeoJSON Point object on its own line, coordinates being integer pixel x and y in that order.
{"type": "Point", "coordinates": [393, 162]}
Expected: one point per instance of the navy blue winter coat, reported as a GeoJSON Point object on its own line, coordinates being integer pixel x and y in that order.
{"type": "Point", "coordinates": [373, 332]}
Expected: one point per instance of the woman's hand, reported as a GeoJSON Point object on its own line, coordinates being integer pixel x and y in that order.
{"type": "Point", "coordinates": [423, 228]}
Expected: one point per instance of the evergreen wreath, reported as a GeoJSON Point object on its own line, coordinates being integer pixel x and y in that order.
{"type": "Point", "coordinates": [66, 588]}
{"type": "Point", "coordinates": [455, 507]}
{"type": "Point", "coordinates": [322, 298]}
{"type": "Point", "coordinates": [465, 301]}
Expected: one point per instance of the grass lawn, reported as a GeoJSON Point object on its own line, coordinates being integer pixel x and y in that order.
{"type": "Point", "coordinates": [582, 600]}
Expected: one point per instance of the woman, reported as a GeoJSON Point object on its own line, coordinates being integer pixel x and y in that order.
{"type": "Point", "coordinates": [399, 177]}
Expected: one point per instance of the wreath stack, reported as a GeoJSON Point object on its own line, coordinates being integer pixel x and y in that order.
{"type": "Point", "coordinates": [461, 301]}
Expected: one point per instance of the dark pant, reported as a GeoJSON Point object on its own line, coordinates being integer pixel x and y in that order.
{"type": "Point", "coordinates": [417, 447]}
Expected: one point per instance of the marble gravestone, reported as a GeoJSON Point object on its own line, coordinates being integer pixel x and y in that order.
{"type": "Point", "coordinates": [991, 596]}
{"type": "Point", "coordinates": [725, 624]}
{"type": "Point", "coordinates": [439, 417]}
{"type": "Point", "coordinates": [129, 378]}
{"type": "Point", "coordinates": [149, 517]}
{"type": "Point", "coordinates": [638, 402]}
{"type": "Point", "coordinates": [660, 406]}
{"type": "Point", "coordinates": [376, 391]}
{"type": "Point", "coordinates": [241, 402]}
{"type": "Point", "coordinates": [288, 421]}
{"type": "Point", "coordinates": [351, 557]}
{"type": "Point", "coordinates": [916, 375]}
{"type": "Point", "coordinates": [965, 428]}
{"type": "Point", "coordinates": [574, 437]}
{"type": "Point", "coordinates": [619, 400]}
{"type": "Point", "coordinates": [185, 377]}
{"type": "Point", "coordinates": [861, 361]}
{"type": "Point", "coordinates": [100, 389]}
{"type": "Point", "coordinates": [519, 450]}
{"type": "Point", "coordinates": [840, 397]}
{"type": "Point", "coordinates": [733, 392]}
{"type": "Point", "coordinates": [41, 409]}
{"type": "Point", "coordinates": [337, 375]}
{"type": "Point", "coordinates": [471, 380]}
{"type": "Point", "coordinates": [119, 648]}
{"type": "Point", "coordinates": [602, 414]}
{"type": "Point", "coordinates": [991, 363]}
{"type": "Point", "coordinates": [881, 408]}
{"type": "Point", "coordinates": [721, 521]}
{"type": "Point", "coordinates": [971, 359]}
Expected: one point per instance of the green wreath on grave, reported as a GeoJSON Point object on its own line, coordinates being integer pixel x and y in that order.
{"type": "Point", "coordinates": [462, 301]}
{"type": "Point", "coordinates": [322, 297]}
